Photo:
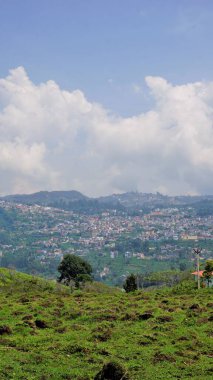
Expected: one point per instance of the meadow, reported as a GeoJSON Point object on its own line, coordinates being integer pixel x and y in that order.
{"type": "Point", "coordinates": [48, 331]}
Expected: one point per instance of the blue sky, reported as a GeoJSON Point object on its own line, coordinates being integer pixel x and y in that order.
{"type": "Point", "coordinates": [107, 47]}
{"type": "Point", "coordinates": [106, 96]}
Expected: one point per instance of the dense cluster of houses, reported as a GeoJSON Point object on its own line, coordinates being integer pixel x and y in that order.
{"type": "Point", "coordinates": [51, 232]}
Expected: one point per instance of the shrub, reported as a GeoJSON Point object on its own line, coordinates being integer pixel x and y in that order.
{"type": "Point", "coordinates": [130, 284]}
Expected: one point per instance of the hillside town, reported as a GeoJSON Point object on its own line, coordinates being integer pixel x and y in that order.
{"type": "Point", "coordinates": [114, 242]}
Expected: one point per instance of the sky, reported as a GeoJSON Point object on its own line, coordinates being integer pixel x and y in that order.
{"type": "Point", "coordinates": [106, 96]}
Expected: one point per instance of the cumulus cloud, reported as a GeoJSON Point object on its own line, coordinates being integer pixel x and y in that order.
{"type": "Point", "coordinates": [56, 139]}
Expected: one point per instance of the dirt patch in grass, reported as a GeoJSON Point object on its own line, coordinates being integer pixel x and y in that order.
{"type": "Point", "coordinates": [145, 316]}
{"type": "Point", "coordinates": [129, 317]}
{"type": "Point", "coordinates": [194, 306]}
{"type": "Point", "coordinates": [24, 300]}
{"type": "Point", "coordinates": [41, 324]}
{"type": "Point", "coordinates": [164, 318]}
{"type": "Point", "coordinates": [183, 338]}
{"type": "Point", "coordinates": [27, 317]}
{"type": "Point", "coordinates": [5, 330]}
{"type": "Point", "coordinates": [112, 371]}
{"type": "Point", "coordinates": [75, 314]}
{"type": "Point", "coordinates": [165, 301]}
{"type": "Point", "coordinates": [61, 329]}
{"type": "Point", "coordinates": [201, 321]}
{"type": "Point", "coordinates": [103, 336]}
{"type": "Point", "coordinates": [160, 357]}
{"type": "Point", "coordinates": [209, 304]}
{"type": "Point", "coordinates": [76, 349]}
{"type": "Point", "coordinates": [146, 340]}
{"type": "Point", "coordinates": [103, 332]}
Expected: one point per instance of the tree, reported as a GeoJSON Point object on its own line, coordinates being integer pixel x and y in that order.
{"type": "Point", "coordinates": [208, 271]}
{"type": "Point", "coordinates": [74, 268]}
{"type": "Point", "coordinates": [130, 284]}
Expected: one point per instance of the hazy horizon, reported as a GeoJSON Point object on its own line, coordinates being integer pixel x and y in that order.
{"type": "Point", "coordinates": [109, 194]}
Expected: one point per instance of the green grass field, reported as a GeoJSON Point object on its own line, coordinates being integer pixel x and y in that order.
{"type": "Point", "coordinates": [46, 332]}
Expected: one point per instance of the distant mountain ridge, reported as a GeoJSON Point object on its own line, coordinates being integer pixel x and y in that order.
{"type": "Point", "coordinates": [76, 201]}
{"type": "Point", "coordinates": [67, 200]}
{"type": "Point", "coordinates": [45, 197]}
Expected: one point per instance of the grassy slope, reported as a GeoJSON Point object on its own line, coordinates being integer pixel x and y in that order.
{"type": "Point", "coordinates": [86, 329]}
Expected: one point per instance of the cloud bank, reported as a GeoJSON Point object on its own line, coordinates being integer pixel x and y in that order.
{"type": "Point", "coordinates": [51, 139]}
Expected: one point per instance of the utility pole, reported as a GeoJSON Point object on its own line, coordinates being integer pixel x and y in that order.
{"type": "Point", "coordinates": [197, 251]}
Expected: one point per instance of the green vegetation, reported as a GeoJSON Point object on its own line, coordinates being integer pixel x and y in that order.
{"type": "Point", "coordinates": [208, 271]}
{"type": "Point", "coordinates": [48, 333]}
{"type": "Point", "coordinates": [74, 268]}
{"type": "Point", "coordinates": [7, 218]}
{"type": "Point", "coordinates": [204, 207]}
{"type": "Point", "coordinates": [130, 284]}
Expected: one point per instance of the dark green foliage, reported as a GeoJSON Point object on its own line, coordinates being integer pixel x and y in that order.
{"type": "Point", "coordinates": [4, 237]}
{"type": "Point", "coordinates": [6, 218]}
{"type": "Point", "coordinates": [112, 371]}
{"type": "Point", "coordinates": [81, 279]}
{"type": "Point", "coordinates": [130, 284]}
{"type": "Point", "coordinates": [74, 268]}
{"type": "Point", "coordinates": [132, 245]}
{"type": "Point", "coordinates": [208, 271]}
{"type": "Point", "coordinates": [182, 266]}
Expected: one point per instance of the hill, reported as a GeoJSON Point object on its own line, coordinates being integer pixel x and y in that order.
{"type": "Point", "coordinates": [129, 201]}
{"type": "Point", "coordinates": [46, 197]}
{"type": "Point", "coordinates": [66, 200]}
{"type": "Point", "coordinates": [46, 332]}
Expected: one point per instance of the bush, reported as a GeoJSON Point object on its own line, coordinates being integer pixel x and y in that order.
{"type": "Point", "coordinates": [130, 284]}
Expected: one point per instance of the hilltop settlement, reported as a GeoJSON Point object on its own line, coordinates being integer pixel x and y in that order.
{"type": "Point", "coordinates": [119, 235]}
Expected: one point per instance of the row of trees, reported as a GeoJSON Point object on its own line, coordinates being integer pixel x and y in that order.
{"type": "Point", "coordinates": [131, 283]}
{"type": "Point", "coordinates": [74, 270]}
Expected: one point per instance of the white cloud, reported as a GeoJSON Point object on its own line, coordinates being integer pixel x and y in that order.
{"type": "Point", "coordinates": [55, 139]}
